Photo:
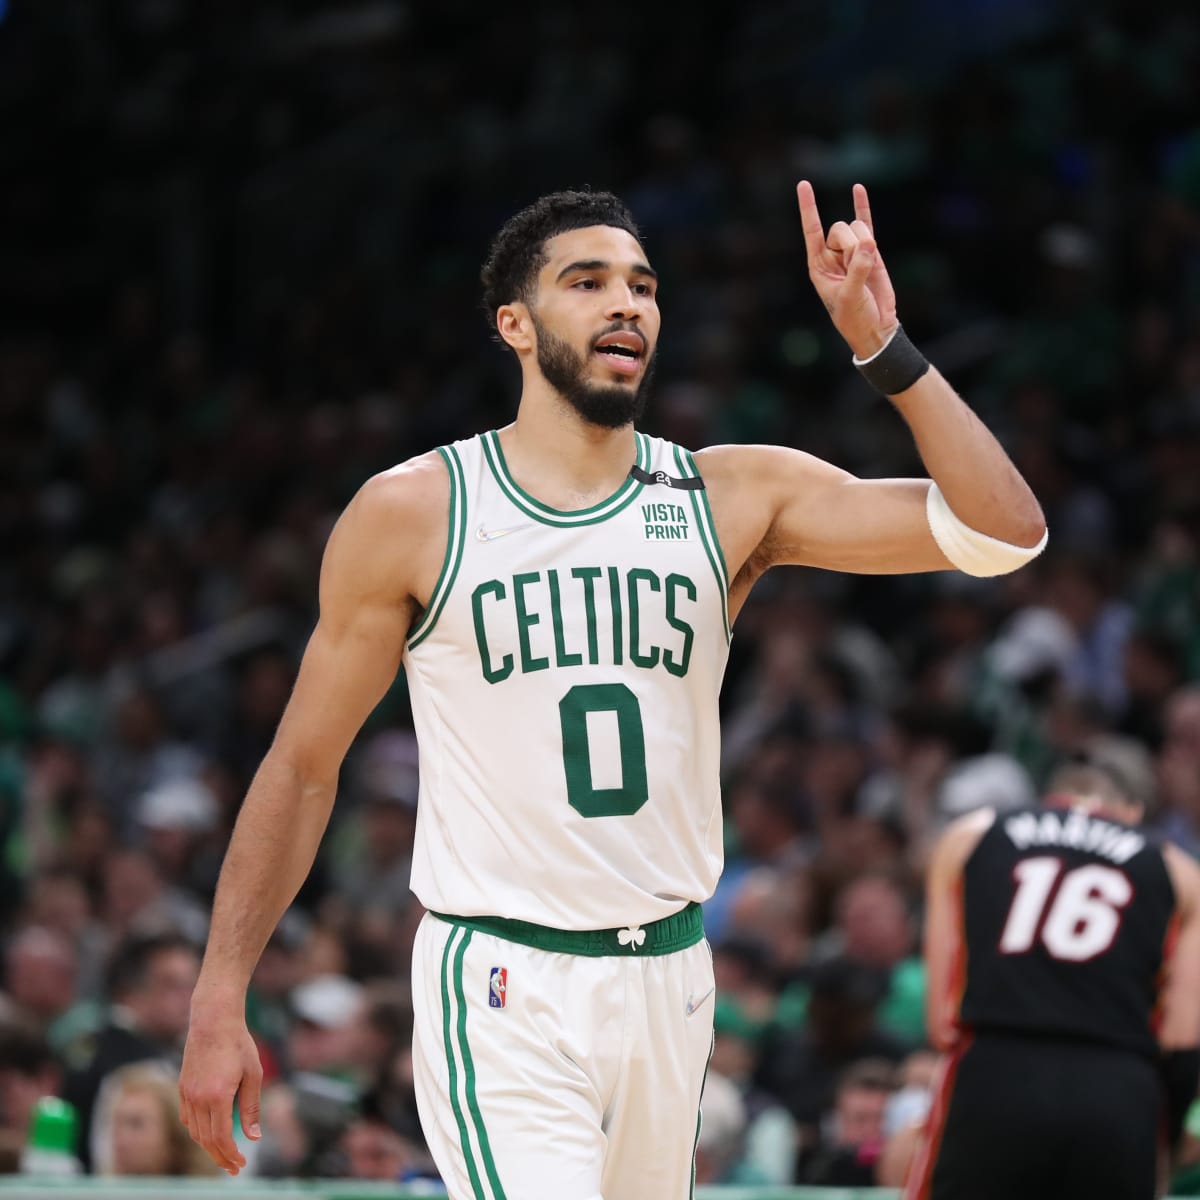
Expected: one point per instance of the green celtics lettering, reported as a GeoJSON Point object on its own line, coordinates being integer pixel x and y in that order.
{"type": "Point", "coordinates": [636, 616]}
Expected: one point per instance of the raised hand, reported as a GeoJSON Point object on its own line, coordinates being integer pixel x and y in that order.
{"type": "Point", "coordinates": [848, 272]}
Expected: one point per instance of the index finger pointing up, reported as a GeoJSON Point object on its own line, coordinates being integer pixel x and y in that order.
{"type": "Point", "coordinates": [862, 206]}
{"type": "Point", "coordinates": [810, 220]}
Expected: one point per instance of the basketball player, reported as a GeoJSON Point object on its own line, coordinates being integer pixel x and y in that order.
{"type": "Point", "coordinates": [1063, 947]}
{"type": "Point", "coordinates": [560, 593]}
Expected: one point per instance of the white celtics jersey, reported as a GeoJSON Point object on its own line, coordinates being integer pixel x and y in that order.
{"type": "Point", "coordinates": [564, 683]}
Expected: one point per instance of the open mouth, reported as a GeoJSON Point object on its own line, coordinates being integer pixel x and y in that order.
{"type": "Point", "coordinates": [625, 361]}
{"type": "Point", "coordinates": [622, 352]}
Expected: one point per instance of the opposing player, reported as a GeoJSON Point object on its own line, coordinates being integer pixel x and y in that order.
{"type": "Point", "coordinates": [1063, 947]}
{"type": "Point", "coordinates": [560, 593]}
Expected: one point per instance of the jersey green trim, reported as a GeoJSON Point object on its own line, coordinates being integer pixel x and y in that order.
{"type": "Point", "coordinates": [621, 498]}
{"type": "Point", "coordinates": [708, 534]}
{"type": "Point", "coordinates": [456, 533]}
{"type": "Point", "coordinates": [716, 541]}
{"type": "Point", "coordinates": [667, 935]}
{"type": "Point", "coordinates": [460, 1119]}
{"type": "Point", "coordinates": [485, 1149]}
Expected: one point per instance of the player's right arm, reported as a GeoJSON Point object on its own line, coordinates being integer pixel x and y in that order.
{"type": "Point", "coordinates": [380, 563]}
{"type": "Point", "coordinates": [944, 925]}
{"type": "Point", "coordinates": [1179, 998]}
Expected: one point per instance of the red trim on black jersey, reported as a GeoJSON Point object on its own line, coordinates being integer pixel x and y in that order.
{"type": "Point", "coordinates": [920, 1174]}
{"type": "Point", "coordinates": [1170, 941]}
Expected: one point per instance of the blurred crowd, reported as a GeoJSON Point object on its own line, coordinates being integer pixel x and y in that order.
{"type": "Point", "coordinates": [241, 246]}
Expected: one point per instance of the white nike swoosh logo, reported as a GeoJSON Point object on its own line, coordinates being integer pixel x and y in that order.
{"type": "Point", "coordinates": [692, 1005]}
{"type": "Point", "coordinates": [490, 535]}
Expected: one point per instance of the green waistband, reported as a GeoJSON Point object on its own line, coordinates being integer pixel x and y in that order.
{"type": "Point", "coordinates": [676, 932]}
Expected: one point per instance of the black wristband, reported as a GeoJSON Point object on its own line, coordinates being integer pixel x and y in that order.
{"type": "Point", "coordinates": [896, 367]}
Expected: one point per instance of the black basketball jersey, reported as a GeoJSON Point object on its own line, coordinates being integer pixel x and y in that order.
{"type": "Point", "coordinates": [1066, 920]}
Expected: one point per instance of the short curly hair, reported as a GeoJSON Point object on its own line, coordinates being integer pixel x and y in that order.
{"type": "Point", "coordinates": [518, 251]}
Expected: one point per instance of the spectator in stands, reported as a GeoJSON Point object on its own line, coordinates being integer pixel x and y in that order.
{"type": "Point", "coordinates": [905, 1115]}
{"type": "Point", "coordinates": [28, 1071]}
{"type": "Point", "coordinates": [150, 983]}
{"type": "Point", "coordinates": [278, 971]}
{"type": "Point", "coordinates": [773, 907]}
{"type": "Point", "coordinates": [58, 899]}
{"type": "Point", "coordinates": [375, 1150]}
{"type": "Point", "coordinates": [769, 823]}
{"type": "Point", "coordinates": [720, 1138]}
{"type": "Point", "coordinates": [771, 1138]}
{"type": "Point", "coordinates": [138, 898]}
{"type": "Point", "coordinates": [325, 1038]}
{"type": "Point", "coordinates": [1079, 589]}
{"type": "Point", "coordinates": [874, 925]}
{"type": "Point", "coordinates": [40, 973]}
{"type": "Point", "coordinates": [385, 1052]}
{"type": "Point", "coordinates": [747, 984]}
{"type": "Point", "coordinates": [264, 685]}
{"type": "Point", "coordinates": [1179, 770]}
{"type": "Point", "coordinates": [373, 879]}
{"type": "Point", "coordinates": [1156, 663]}
{"type": "Point", "coordinates": [138, 1127]}
{"type": "Point", "coordinates": [59, 786]}
{"type": "Point", "coordinates": [286, 1146]}
{"type": "Point", "coordinates": [922, 750]}
{"type": "Point", "coordinates": [851, 1136]}
{"type": "Point", "coordinates": [802, 1067]}
{"type": "Point", "coordinates": [173, 820]}
{"type": "Point", "coordinates": [140, 756]}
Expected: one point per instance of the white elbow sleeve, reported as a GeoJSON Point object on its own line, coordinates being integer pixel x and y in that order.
{"type": "Point", "coordinates": [969, 550]}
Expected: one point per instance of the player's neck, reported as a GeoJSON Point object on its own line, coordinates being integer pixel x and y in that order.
{"type": "Point", "coordinates": [563, 460]}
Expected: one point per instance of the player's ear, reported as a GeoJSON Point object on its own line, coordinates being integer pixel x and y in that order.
{"type": "Point", "coordinates": [514, 323]}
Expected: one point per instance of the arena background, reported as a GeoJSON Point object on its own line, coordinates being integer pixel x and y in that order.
{"type": "Point", "coordinates": [239, 248]}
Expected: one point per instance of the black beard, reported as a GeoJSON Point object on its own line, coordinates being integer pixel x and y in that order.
{"type": "Point", "coordinates": [610, 406]}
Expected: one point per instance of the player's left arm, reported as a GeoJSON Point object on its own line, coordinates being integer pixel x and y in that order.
{"type": "Point", "coordinates": [1179, 1024]}
{"type": "Point", "coordinates": [1179, 1027]}
{"type": "Point", "coordinates": [981, 515]}
{"type": "Point", "coordinates": [944, 925]}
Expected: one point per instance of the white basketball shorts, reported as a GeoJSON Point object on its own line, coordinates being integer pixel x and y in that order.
{"type": "Point", "coordinates": [562, 1074]}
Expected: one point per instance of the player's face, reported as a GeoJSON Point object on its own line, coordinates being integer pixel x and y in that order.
{"type": "Point", "coordinates": [597, 322]}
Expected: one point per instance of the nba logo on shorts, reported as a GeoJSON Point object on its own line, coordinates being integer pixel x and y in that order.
{"type": "Point", "coordinates": [498, 987]}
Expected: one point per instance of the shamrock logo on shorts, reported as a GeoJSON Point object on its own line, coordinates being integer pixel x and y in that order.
{"type": "Point", "coordinates": [632, 934]}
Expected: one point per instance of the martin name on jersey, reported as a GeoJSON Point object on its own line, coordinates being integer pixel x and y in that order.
{"type": "Point", "coordinates": [1074, 829]}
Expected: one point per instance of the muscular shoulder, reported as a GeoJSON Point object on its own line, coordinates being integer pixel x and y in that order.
{"type": "Point", "coordinates": [413, 491]}
{"type": "Point", "coordinates": [393, 533]}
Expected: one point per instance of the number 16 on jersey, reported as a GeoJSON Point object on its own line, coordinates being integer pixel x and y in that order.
{"type": "Point", "coordinates": [1075, 914]}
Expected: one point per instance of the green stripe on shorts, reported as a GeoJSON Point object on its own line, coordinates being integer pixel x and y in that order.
{"type": "Point", "coordinates": [464, 1137]}
{"type": "Point", "coordinates": [489, 1163]}
{"type": "Point", "coordinates": [700, 1117]}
